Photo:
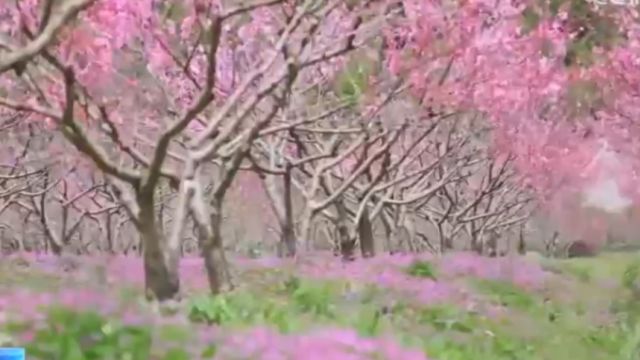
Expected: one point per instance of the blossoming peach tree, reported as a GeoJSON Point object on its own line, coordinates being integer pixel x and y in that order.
{"type": "Point", "coordinates": [556, 78]}
{"type": "Point", "coordinates": [175, 93]}
{"type": "Point", "coordinates": [170, 92]}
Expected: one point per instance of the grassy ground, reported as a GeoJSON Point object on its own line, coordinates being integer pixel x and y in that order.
{"type": "Point", "coordinates": [456, 308]}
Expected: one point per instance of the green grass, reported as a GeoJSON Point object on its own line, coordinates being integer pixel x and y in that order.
{"type": "Point", "coordinates": [604, 266]}
{"type": "Point", "coordinates": [580, 314]}
{"type": "Point", "coordinates": [17, 273]}
{"type": "Point", "coordinates": [506, 294]}
{"type": "Point", "coordinates": [422, 269]}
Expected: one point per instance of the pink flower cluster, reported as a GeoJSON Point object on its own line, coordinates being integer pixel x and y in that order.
{"type": "Point", "coordinates": [549, 113]}
{"type": "Point", "coordinates": [325, 344]}
{"type": "Point", "coordinates": [519, 271]}
{"type": "Point", "coordinates": [389, 271]}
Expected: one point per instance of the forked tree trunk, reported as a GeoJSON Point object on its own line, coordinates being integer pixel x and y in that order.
{"type": "Point", "coordinates": [162, 281]}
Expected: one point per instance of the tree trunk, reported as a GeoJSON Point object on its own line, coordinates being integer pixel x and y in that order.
{"type": "Point", "coordinates": [388, 232]}
{"type": "Point", "coordinates": [56, 249]}
{"type": "Point", "coordinates": [551, 244]}
{"type": "Point", "coordinates": [347, 243]}
{"type": "Point", "coordinates": [365, 233]}
{"type": "Point", "coordinates": [409, 224]}
{"type": "Point", "coordinates": [282, 205]}
{"type": "Point", "coordinates": [491, 248]}
{"type": "Point", "coordinates": [477, 242]}
{"type": "Point", "coordinates": [305, 225]}
{"type": "Point", "coordinates": [522, 245]}
{"type": "Point", "coordinates": [287, 246]}
{"type": "Point", "coordinates": [162, 281]}
{"type": "Point", "coordinates": [288, 236]}
{"type": "Point", "coordinates": [213, 254]}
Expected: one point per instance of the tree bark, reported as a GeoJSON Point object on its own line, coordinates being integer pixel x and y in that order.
{"type": "Point", "coordinates": [347, 243]}
{"type": "Point", "coordinates": [213, 254]}
{"type": "Point", "coordinates": [162, 281]}
{"type": "Point", "coordinates": [305, 225]}
{"type": "Point", "coordinates": [288, 237]}
{"type": "Point", "coordinates": [491, 247]}
{"type": "Point", "coordinates": [365, 233]}
{"type": "Point", "coordinates": [287, 246]}
{"type": "Point", "coordinates": [522, 245]}
{"type": "Point", "coordinates": [282, 205]}
{"type": "Point", "coordinates": [388, 232]}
